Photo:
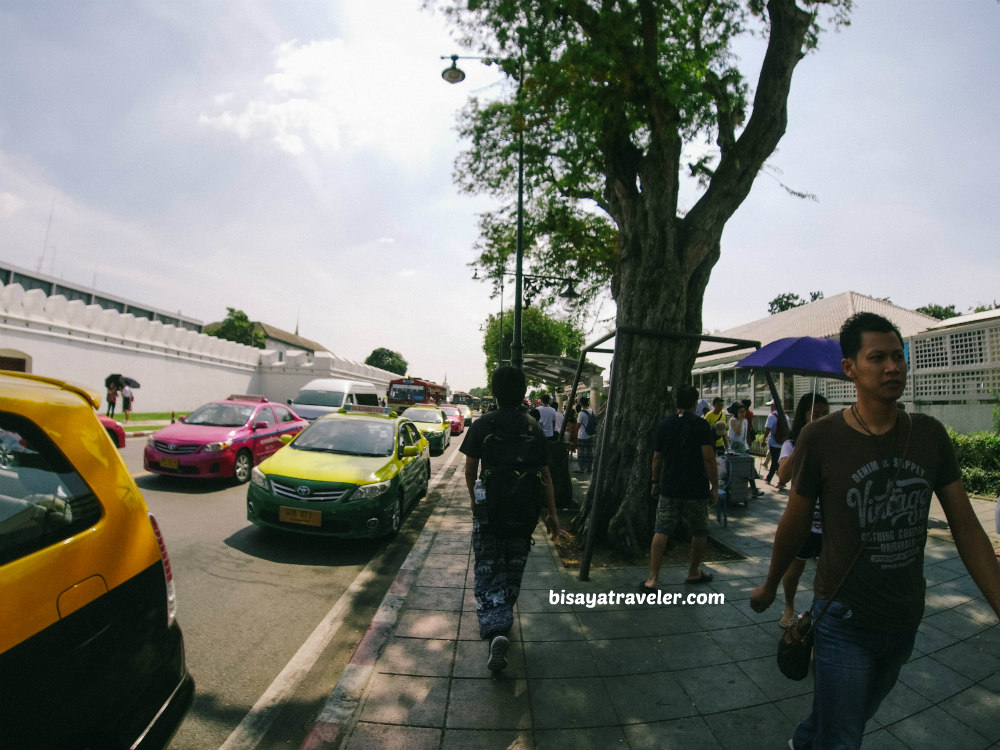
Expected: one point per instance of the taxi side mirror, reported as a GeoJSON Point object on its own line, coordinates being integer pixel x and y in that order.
{"type": "Point", "coordinates": [260, 425]}
{"type": "Point", "coordinates": [409, 451]}
{"type": "Point", "coordinates": [287, 438]}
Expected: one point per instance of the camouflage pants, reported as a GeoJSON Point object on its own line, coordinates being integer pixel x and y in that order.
{"type": "Point", "coordinates": [498, 572]}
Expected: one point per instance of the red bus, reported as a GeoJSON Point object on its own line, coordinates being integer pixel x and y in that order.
{"type": "Point", "coordinates": [407, 392]}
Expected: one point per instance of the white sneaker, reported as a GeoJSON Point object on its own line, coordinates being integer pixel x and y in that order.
{"type": "Point", "coordinates": [498, 654]}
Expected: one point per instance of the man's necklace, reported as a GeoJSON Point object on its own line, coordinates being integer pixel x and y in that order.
{"type": "Point", "coordinates": [864, 425]}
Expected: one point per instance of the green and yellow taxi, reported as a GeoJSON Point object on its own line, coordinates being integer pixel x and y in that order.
{"type": "Point", "coordinates": [350, 474]}
{"type": "Point", "coordinates": [91, 654]}
{"type": "Point", "coordinates": [433, 424]}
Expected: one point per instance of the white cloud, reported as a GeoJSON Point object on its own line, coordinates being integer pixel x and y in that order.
{"type": "Point", "coordinates": [10, 204]}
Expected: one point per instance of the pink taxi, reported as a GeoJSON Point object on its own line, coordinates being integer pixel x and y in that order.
{"type": "Point", "coordinates": [222, 439]}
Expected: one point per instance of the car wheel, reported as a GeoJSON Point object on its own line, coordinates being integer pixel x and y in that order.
{"type": "Point", "coordinates": [242, 467]}
{"type": "Point", "coordinates": [397, 515]}
{"type": "Point", "coordinates": [427, 484]}
{"type": "Point", "coordinates": [6, 457]}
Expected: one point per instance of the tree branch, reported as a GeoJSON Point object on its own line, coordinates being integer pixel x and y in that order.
{"type": "Point", "coordinates": [743, 159]}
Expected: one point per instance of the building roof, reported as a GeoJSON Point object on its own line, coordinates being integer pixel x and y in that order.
{"type": "Point", "coordinates": [822, 318]}
{"type": "Point", "coordinates": [966, 319]}
{"type": "Point", "coordinates": [292, 339]}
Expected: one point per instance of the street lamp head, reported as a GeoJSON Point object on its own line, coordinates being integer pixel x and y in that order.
{"type": "Point", "coordinates": [454, 74]}
{"type": "Point", "coordinates": [570, 292]}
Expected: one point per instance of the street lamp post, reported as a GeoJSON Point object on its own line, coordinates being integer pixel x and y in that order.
{"type": "Point", "coordinates": [454, 74]}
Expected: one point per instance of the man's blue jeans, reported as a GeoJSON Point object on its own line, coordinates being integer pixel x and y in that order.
{"type": "Point", "coordinates": [854, 668]}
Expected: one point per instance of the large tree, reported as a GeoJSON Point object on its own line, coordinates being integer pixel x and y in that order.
{"type": "Point", "coordinates": [540, 333]}
{"type": "Point", "coordinates": [239, 328]}
{"type": "Point", "coordinates": [387, 359]}
{"type": "Point", "coordinates": [617, 102]}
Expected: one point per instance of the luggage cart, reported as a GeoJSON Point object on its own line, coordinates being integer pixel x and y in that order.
{"type": "Point", "coordinates": [736, 470]}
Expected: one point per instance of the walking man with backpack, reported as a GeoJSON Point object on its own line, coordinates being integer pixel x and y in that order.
{"type": "Point", "coordinates": [507, 474]}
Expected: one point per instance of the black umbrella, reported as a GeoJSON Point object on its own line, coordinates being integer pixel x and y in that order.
{"type": "Point", "coordinates": [130, 382]}
{"type": "Point", "coordinates": [113, 379]}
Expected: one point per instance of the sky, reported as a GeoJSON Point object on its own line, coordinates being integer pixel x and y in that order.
{"type": "Point", "coordinates": [294, 160]}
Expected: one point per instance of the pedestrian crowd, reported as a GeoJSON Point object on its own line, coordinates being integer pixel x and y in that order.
{"type": "Point", "coordinates": [859, 483]}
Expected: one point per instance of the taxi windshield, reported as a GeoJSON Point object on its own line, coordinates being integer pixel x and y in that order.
{"type": "Point", "coordinates": [424, 415]}
{"type": "Point", "coordinates": [347, 436]}
{"type": "Point", "coordinates": [220, 415]}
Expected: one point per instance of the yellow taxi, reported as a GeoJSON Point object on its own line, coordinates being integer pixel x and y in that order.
{"type": "Point", "coordinates": [91, 654]}
{"type": "Point", "coordinates": [350, 474]}
{"type": "Point", "coordinates": [433, 424]}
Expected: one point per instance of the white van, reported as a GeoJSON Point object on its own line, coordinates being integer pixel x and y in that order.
{"type": "Point", "coordinates": [319, 397]}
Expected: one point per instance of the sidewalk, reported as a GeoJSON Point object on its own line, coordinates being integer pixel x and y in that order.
{"type": "Point", "coordinates": [616, 676]}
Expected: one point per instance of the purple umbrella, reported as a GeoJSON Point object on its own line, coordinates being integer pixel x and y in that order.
{"type": "Point", "coordinates": [799, 355]}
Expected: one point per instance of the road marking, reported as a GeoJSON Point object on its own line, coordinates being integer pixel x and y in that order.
{"type": "Point", "coordinates": [260, 718]}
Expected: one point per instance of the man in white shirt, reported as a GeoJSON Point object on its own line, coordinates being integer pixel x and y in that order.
{"type": "Point", "coordinates": [547, 417]}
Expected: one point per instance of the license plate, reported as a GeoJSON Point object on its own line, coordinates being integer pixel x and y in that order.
{"type": "Point", "coordinates": [300, 516]}
{"type": "Point", "coordinates": [169, 463]}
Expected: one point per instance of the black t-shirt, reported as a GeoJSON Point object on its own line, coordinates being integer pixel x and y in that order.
{"type": "Point", "coordinates": [680, 438]}
{"type": "Point", "coordinates": [850, 473]}
{"type": "Point", "coordinates": [507, 417]}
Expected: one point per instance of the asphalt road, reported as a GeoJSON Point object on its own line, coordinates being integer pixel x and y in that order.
{"type": "Point", "coordinates": [269, 619]}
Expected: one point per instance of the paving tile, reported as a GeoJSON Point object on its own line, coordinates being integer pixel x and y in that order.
{"type": "Point", "coordinates": [471, 658]}
{"type": "Point", "coordinates": [439, 577]}
{"type": "Point", "coordinates": [932, 679]}
{"type": "Point", "coordinates": [598, 625]}
{"type": "Point", "coordinates": [978, 708]}
{"type": "Point", "coordinates": [489, 703]}
{"type": "Point", "coordinates": [410, 701]}
{"type": "Point", "coordinates": [678, 734]}
{"type": "Point", "coordinates": [970, 658]}
{"type": "Point", "coordinates": [923, 731]}
{"type": "Point", "coordinates": [652, 697]}
{"type": "Point", "coordinates": [688, 650]}
{"type": "Point", "coordinates": [796, 709]}
{"type": "Point", "coordinates": [559, 659]}
{"type": "Point", "coordinates": [931, 639]}
{"type": "Point", "coordinates": [721, 688]}
{"type": "Point", "coordinates": [627, 656]}
{"type": "Point", "coordinates": [572, 703]}
{"type": "Point", "coordinates": [555, 626]}
{"type": "Point", "coordinates": [597, 738]}
{"type": "Point", "coordinates": [426, 623]}
{"type": "Point", "coordinates": [429, 597]}
{"type": "Point", "coordinates": [538, 600]}
{"type": "Point", "coordinates": [438, 560]}
{"type": "Point", "coordinates": [747, 641]}
{"type": "Point", "coordinates": [756, 727]}
{"type": "Point", "coordinates": [367, 736]}
{"type": "Point", "coordinates": [883, 739]}
{"type": "Point", "coordinates": [765, 674]}
{"type": "Point", "coordinates": [418, 657]}
{"type": "Point", "coordinates": [509, 739]}
{"type": "Point", "coordinates": [902, 702]}
{"type": "Point", "coordinates": [666, 621]}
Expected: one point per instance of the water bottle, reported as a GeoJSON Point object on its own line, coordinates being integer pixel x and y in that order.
{"type": "Point", "coordinates": [479, 510]}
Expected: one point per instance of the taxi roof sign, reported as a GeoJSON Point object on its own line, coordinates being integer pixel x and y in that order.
{"type": "Point", "coordinates": [384, 411]}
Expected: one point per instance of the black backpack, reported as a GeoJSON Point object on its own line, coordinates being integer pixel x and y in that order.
{"type": "Point", "coordinates": [512, 478]}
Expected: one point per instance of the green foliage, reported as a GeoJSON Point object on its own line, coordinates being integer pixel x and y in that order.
{"type": "Point", "coordinates": [978, 454]}
{"type": "Point", "coordinates": [939, 311]}
{"type": "Point", "coordinates": [608, 100]}
{"type": "Point", "coordinates": [238, 327]}
{"type": "Point", "coordinates": [788, 300]}
{"type": "Point", "coordinates": [387, 359]}
{"type": "Point", "coordinates": [540, 334]}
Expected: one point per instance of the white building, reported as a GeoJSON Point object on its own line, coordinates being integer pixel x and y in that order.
{"type": "Point", "coordinates": [954, 365]}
